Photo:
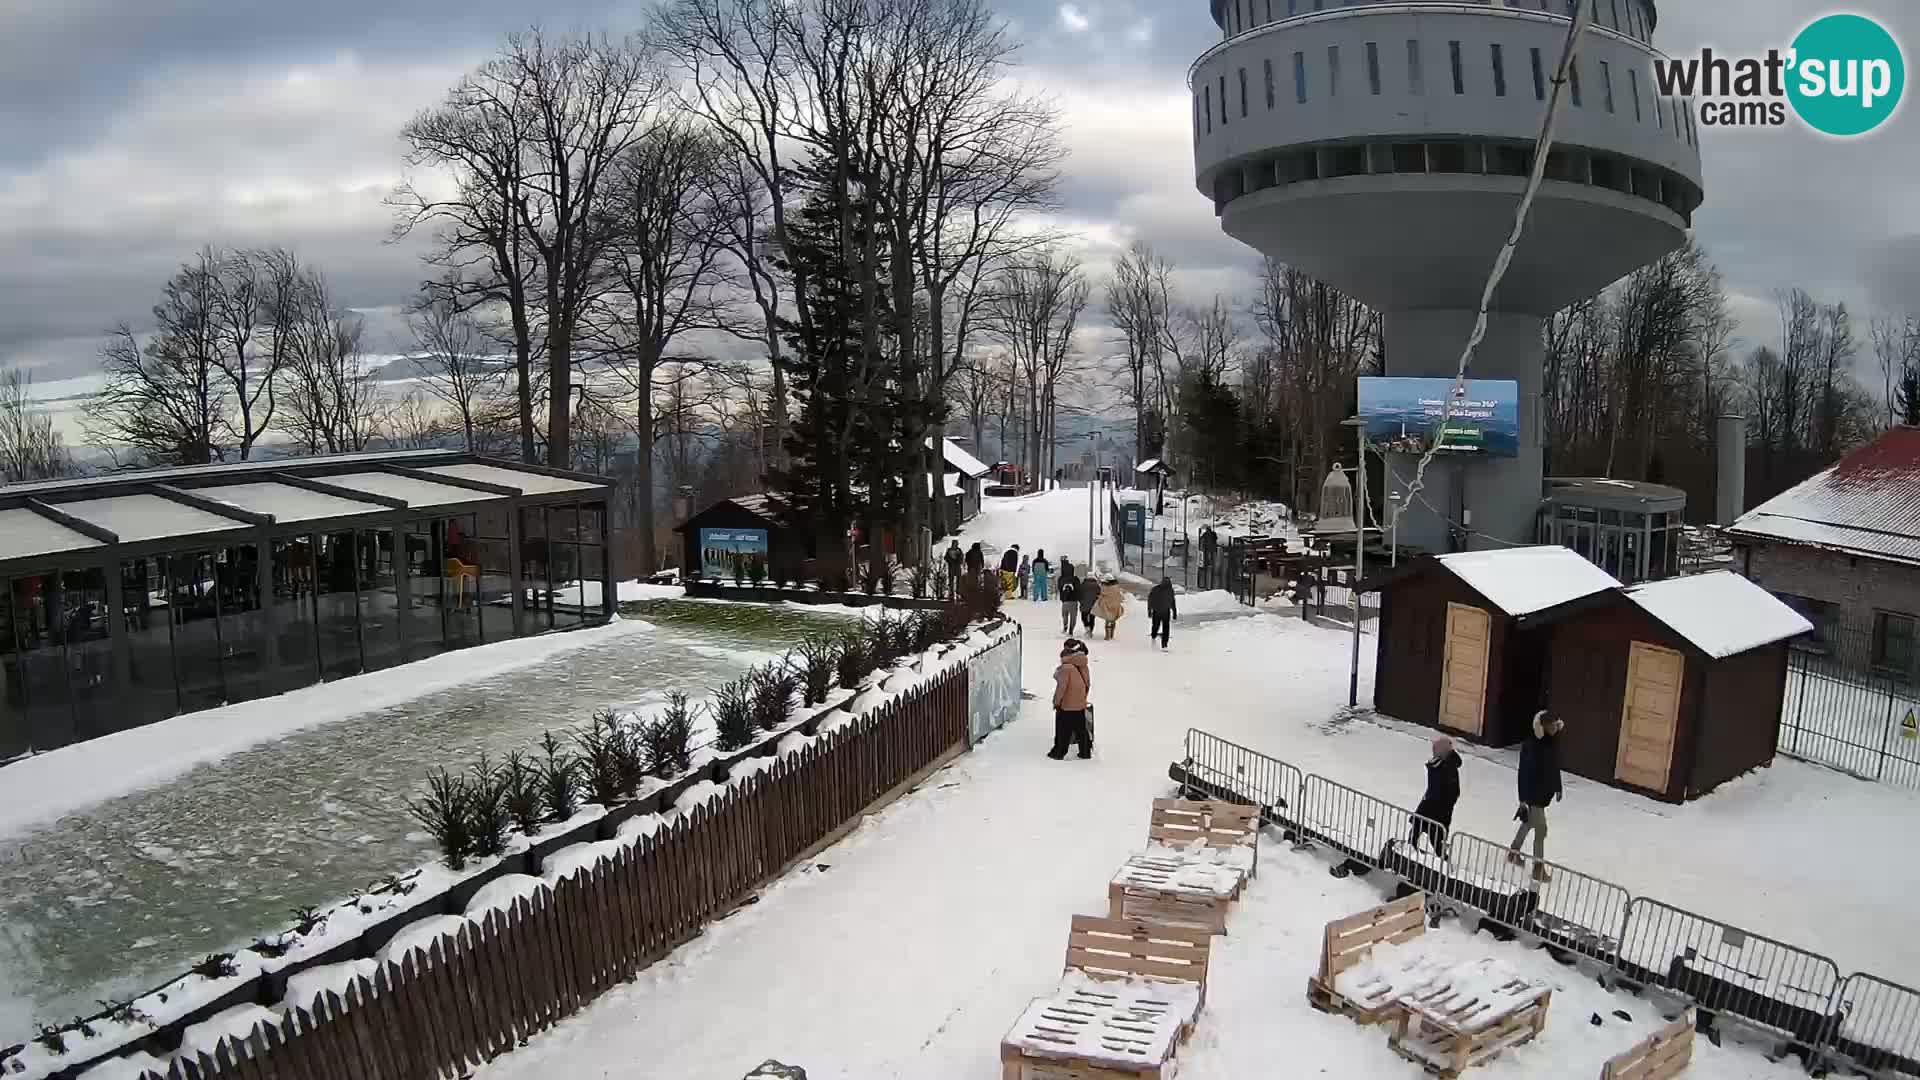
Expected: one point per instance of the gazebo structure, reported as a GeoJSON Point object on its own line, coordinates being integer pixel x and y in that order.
{"type": "Point", "coordinates": [131, 597]}
{"type": "Point", "coordinates": [1630, 529]}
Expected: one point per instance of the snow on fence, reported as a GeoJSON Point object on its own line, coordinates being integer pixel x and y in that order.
{"type": "Point", "coordinates": [536, 958]}
{"type": "Point", "coordinates": [1865, 1021]}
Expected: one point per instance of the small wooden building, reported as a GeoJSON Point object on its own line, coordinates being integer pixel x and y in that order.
{"type": "Point", "coordinates": [741, 531]}
{"type": "Point", "coordinates": [1670, 688]}
{"type": "Point", "coordinates": [1453, 652]}
{"type": "Point", "coordinates": [965, 481]}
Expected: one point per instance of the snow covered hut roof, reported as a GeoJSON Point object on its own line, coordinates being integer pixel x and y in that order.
{"type": "Point", "coordinates": [1521, 581]}
{"type": "Point", "coordinates": [1868, 503]}
{"type": "Point", "coordinates": [952, 486]}
{"type": "Point", "coordinates": [958, 458]}
{"type": "Point", "coordinates": [1722, 613]}
{"type": "Point", "coordinates": [1152, 465]}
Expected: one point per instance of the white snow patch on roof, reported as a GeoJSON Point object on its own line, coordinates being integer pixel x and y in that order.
{"type": "Point", "coordinates": [1722, 613]}
{"type": "Point", "coordinates": [960, 459]}
{"type": "Point", "coordinates": [1524, 580]}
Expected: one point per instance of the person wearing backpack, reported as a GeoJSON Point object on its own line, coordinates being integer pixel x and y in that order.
{"type": "Point", "coordinates": [1072, 685]}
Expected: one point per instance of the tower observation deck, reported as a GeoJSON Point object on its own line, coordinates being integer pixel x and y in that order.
{"type": "Point", "coordinates": [1383, 148]}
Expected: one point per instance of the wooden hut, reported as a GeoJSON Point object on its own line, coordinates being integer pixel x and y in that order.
{"type": "Point", "coordinates": [743, 530]}
{"type": "Point", "coordinates": [1452, 651]}
{"type": "Point", "coordinates": [1670, 688]}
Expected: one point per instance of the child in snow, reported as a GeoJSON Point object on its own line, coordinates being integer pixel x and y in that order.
{"type": "Point", "coordinates": [1042, 570]}
{"type": "Point", "coordinates": [1434, 816]}
{"type": "Point", "coordinates": [1069, 603]}
{"type": "Point", "coordinates": [1088, 595]}
{"type": "Point", "coordinates": [1025, 574]}
{"type": "Point", "coordinates": [1111, 606]}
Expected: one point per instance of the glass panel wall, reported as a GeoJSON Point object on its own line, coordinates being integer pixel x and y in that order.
{"type": "Point", "coordinates": [193, 603]}
{"type": "Point", "coordinates": [14, 737]}
{"type": "Point", "coordinates": [296, 660]}
{"type": "Point", "coordinates": [460, 581]}
{"type": "Point", "coordinates": [246, 642]}
{"type": "Point", "coordinates": [336, 599]}
{"type": "Point", "coordinates": [564, 523]}
{"type": "Point", "coordinates": [426, 633]}
{"type": "Point", "coordinates": [152, 694]}
{"type": "Point", "coordinates": [593, 559]}
{"type": "Point", "coordinates": [89, 645]}
{"type": "Point", "coordinates": [44, 707]}
{"type": "Point", "coordinates": [536, 568]}
{"type": "Point", "coordinates": [380, 628]}
{"type": "Point", "coordinates": [494, 551]}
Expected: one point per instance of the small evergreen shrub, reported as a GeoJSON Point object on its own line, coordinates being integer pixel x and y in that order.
{"type": "Point", "coordinates": [926, 630]}
{"type": "Point", "coordinates": [559, 780]}
{"type": "Point", "coordinates": [218, 965]}
{"type": "Point", "coordinates": [487, 817]}
{"type": "Point", "coordinates": [52, 1038]}
{"type": "Point", "coordinates": [306, 920]}
{"type": "Point", "coordinates": [773, 688]}
{"type": "Point", "coordinates": [834, 580]}
{"type": "Point", "coordinates": [889, 577]}
{"type": "Point", "coordinates": [942, 585]}
{"type": "Point", "coordinates": [443, 813]}
{"type": "Point", "coordinates": [739, 574]}
{"type": "Point", "coordinates": [608, 760]}
{"type": "Point", "coordinates": [904, 636]}
{"type": "Point", "coordinates": [524, 797]}
{"type": "Point", "coordinates": [854, 660]}
{"type": "Point", "coordinates": [668, 738]}
{"type": "Point", "coordinates": [818, 656]}
{"type": "Point", "coordinates": [921, 580]}
{"type": "Point", "coordinates": [733, 714]}
{"type": "Point", "coordinates": [756, 573]}
{"type": "Point", "coordinates": [870, 579]}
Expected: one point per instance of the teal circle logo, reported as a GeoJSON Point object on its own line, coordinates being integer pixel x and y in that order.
{"type": "Point", "coordinates": [1847, 75]}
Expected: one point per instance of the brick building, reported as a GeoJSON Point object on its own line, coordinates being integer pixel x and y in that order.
{"type": "Point", "coordinates": [1843, 548]}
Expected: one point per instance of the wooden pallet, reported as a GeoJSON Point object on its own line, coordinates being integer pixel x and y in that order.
{"type": "Point", "coordinates": [1348, 941]}
{"type": "Point", "coordinates": [1174, 892]}
{"type": "Point", "coordinates": [1100, 1025]}
{"type": "Point", "coordinates": [1179, 823]}
{"type": "Point", "coordinates": [1429, 1030]}
{"type": "Point", "coordinates": [1660, 1056]}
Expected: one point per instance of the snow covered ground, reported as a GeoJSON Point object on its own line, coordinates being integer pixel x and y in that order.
{"type": "Point", "coordinates": [908, 949]}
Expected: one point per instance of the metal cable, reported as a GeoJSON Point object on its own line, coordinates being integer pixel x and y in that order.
{"type": "Point", "coordinates": [1541, 147]}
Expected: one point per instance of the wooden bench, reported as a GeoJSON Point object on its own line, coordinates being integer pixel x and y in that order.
{"type": "Point", "coordinates": [1176, 892]}
{"type": "Point", "coordinates": [1349, 941]}
{"type": "Point", "coordinates": [1660, 1056]}
{"type": "Point", "coordinates": [1128, 998]}
{"type": "Point", "coordinates": [1230, 832]}
{"type": "Point", "coordinates": [1467, 1016]}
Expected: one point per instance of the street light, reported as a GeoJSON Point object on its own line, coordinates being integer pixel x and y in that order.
{"type": "Point", "coordinates": [1359, 427]}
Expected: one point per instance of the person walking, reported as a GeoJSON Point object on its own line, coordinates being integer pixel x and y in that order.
{"type": "Point", "coordinates": [1539, 786]}
{"type": "Point", "coordinates": [1088, 594]}
{"type": "Point", "coordinates": [1009, 569]}
{"type": "Point", "coordinates": [1161, 611]}
{"type": "Point", "coordinates": [1433, 818]}
{"type": "Point", "coordinates": [1112, 605]}
{"type": "Point", "coordinates": [976, 559]}
{"type": "Point", "coordinates": [1042, 575]}
{"type": "Point", "coordinates": [1072, 685]}
{"type": "Point", "coordinates": [1069, 603]}
{"type": "Point", "coordinates": [1025, 574]}
{"type": "Point", "coordinates": [954, 557]}
{"type": "Point", "coordinates": [1066, 567]}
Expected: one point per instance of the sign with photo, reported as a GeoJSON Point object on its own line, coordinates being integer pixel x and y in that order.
{"type": "Point", "coordinates": [1403, 415]}
{"type": "Point", "coordinates": [728, 553]}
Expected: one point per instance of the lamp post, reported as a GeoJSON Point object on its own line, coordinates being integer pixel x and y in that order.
{"type": "Point", "coordinates": [1359, 553]}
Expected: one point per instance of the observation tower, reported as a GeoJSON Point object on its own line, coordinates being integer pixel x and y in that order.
{"type": "Point", "coordinates": [1383, 148]}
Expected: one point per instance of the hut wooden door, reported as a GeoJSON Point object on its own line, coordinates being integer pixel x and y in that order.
{"type": "Point", "coordinates": [1463, 671]}
{"type": "Point", "coordinates": [1650, 717]}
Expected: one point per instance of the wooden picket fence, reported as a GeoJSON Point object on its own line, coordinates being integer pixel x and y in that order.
{"type": "Point", "coordinates": [477, 994]}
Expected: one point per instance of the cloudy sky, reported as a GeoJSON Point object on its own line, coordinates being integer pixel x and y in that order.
{"type": "Point", "coordinates": [133, 131]}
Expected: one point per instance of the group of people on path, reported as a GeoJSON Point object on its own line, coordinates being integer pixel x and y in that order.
{"type": "Point", "coordinates": [1082, 599]}
{"type": "Point", "coordinates": [1539, 787]}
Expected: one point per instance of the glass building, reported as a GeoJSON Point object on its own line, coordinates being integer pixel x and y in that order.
{"type": "Point", "coordinates": [1630, 529]}
{"type": "Point", "coordinates": [132, 597]}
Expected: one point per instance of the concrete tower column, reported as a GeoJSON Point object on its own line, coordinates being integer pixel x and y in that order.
{"type": "Point", "coordinates": [1494, 496]}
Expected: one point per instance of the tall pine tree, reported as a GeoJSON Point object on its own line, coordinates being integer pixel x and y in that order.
{"type": "Point", "coordinates": [847, 463]}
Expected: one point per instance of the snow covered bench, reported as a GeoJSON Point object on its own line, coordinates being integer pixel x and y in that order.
{"type": "Point", "coordinates": [1214, 832]}
{"type": "Point", "coordinates": [1348, 943]}
{"type": "Point", "coordinates": [1660, 1056]}
{"type": "Point", "coordinates": [1467, 1015]}
{"type": "Point", "coordinates": [1129, 996]}
{"type": "Point", "coordinates": [1176, 892]}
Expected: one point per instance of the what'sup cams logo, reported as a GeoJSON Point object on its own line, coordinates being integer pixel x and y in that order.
{"type": "Point", "coordinates": [1843, 76]}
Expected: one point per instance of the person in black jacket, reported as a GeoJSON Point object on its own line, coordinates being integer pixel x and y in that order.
{"type": "Point", "coordinates": [976, 559]}
{"type": "Point", "coordinates": [1434, 816]}
{"type": "Point", "coordinates": [1539, 786]}
{"type": "Point", "coordinates": [1069, 594]}
{"type": "Point", "coordinates": [954, 558]}
{"type": "Point", "coordinates": [1161, 611]}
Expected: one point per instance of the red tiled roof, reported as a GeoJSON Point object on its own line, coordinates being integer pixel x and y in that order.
{"type": "Point", "coordinates": [1868, 503]}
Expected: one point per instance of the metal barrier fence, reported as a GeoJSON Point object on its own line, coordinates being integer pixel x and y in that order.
{"type": "Point", "coordinates": [1840, 709]}
{"type": "Point", "coordinates": [1728, 970]}
{"type": "Point", "coordinates": [1879, 1027]}
{"type": "Point", "coordinates": [1864, 1022]}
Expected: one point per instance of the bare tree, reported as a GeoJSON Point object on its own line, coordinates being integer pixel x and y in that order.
{"type": "Point", "coordinates": [668, 219]}
{"type": "Point", "coordinates": [329, 402]}
{"type": "Point", "coordinates": [166, 399]}
{"type": "Point", "coordinates": [415, 421]}
{"type": "Point", "coordinates": [251, 353]}
{"type": "Point", "coordinates": [1139, 301]}
{"type": "Point", "coordinates": [1035, 311]}
{"type": "Point", "coordinates": [1896, 350]}
{"type": "Point", "coordinates": [30, 447]}
{"type": "Point", "coordinates": [458, 371]}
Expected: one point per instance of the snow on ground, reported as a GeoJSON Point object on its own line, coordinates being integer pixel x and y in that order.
{"type": "Point", "coordinates": [911, 947]}
{"type": "Point", "coordinates": [46, 786]}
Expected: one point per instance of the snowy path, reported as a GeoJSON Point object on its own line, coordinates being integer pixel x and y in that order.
{"type": "Point", "coordinates": [909, 948]}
